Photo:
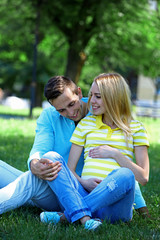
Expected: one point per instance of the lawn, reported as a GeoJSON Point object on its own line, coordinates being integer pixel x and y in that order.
{"type": "Point", "coordinates": [16, 139]}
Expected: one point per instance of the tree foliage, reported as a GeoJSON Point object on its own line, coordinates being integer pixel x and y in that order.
{"type": "Point", "coordinates": [77, 38]}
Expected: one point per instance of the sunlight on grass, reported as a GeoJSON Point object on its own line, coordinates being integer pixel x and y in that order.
{"type": "Point", "coordinates": [152, 127]}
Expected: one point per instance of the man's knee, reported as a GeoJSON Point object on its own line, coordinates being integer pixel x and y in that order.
{"type": "Point", "coordinates": [53, 156]}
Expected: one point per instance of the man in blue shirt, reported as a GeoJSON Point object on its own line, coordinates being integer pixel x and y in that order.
{"type": "Point", "coordinates": [56, 125]}
{"type": "Point", "coordinates": [53, 132]}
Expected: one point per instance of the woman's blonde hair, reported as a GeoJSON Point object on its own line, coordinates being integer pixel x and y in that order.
{"type": "Point", "coordinates": [115, 94]}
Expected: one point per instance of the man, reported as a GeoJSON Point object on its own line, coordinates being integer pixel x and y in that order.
{"type": "Point", "coordinates": [56, 127]}
{"type": "Point", "coordinates": [53, 132]}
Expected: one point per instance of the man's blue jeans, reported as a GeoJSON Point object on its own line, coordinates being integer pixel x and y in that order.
{"type": "Point", "coordinates": [112, 199]}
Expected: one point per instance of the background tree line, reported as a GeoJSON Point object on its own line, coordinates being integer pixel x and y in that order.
{"type": "Point", "coordinates": [80, 39]}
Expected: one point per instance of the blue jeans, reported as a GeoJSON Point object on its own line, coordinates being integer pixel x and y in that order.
{"type": "Point", "coordinates": [112, 199]}
{"type": "Point", "coordinates": [40, 193]}
{"type": "Point", "coordinates": [8, 174]}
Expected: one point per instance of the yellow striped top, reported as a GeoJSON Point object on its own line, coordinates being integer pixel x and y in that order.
{"type": "Point", "coordinates": [92, 132]}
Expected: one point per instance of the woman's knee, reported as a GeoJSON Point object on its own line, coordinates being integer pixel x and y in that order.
{"type": "Point", "coordinates": [125, 176]}
{"type": "Point", "coordinates": [129, 179]}
{"type": "Point", "coordinates": [127, 173]}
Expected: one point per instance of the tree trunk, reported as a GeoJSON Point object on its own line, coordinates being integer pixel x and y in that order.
{"type": "Point", "coordinates": [39, 95]}
{"type": "Point", "coordinates": [132, 78]}
{"type": "Point", "coordinates": [35, 51]}
{"type": "Point", "coordinates": [75, 62]}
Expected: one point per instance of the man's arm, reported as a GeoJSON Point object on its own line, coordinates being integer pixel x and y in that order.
{"type": "Point", "coordinates": [44, 138]}
{"type": "Point", "coordinates": [43, 143]}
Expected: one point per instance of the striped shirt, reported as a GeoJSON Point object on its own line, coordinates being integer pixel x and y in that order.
{"type": "Point", "coordinates": [92, 132]}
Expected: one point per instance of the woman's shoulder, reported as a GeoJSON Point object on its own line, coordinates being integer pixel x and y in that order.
{"type": "Point", "coordinates": [136, 125]}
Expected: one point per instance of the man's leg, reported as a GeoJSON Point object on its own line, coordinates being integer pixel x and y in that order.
{"type": "Point", "coordinates": [27, 186]}
{"type": "Point", "coordinates": [8, 174]}
{"type": "Point", "coordinates": [67, 189]}
{"type": "Point", "coordinates": [139, 201]}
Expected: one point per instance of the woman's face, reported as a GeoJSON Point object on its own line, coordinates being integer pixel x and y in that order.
{"type": "Point", "coordinates": [96, 100]}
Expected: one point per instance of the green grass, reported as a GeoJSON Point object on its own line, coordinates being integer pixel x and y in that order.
{"type": "Point", "coordinates": [16, 139]}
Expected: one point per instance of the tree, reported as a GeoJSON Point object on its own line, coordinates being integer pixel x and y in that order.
{"type": "Point", "coordinates": [77, 20]}
{"type": "Point", "coordinates": [17, 39]}
{"type": "Point", "coordinates": [75, 35]}
{"type": "Point", "coordinates": [124, 30]}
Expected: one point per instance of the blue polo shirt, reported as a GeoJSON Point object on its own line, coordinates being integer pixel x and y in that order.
{"type": "Point", "coordinates": [53, 133]}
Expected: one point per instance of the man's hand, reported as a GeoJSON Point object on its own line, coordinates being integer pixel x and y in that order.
{"type": "Point", "coordinates": [45, 169]}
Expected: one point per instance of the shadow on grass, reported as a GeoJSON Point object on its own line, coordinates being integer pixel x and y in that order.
{"type": "Point", "coordinates": [17, 116]}
{"type": "Point", "coordinates": [15, 150]}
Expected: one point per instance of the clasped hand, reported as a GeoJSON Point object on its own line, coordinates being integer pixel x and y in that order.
{"type": "Point", "coordinates": [45, 169]}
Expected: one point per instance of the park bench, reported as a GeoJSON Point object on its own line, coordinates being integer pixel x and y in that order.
{"type": "Point", "coordinates": [147, 109]}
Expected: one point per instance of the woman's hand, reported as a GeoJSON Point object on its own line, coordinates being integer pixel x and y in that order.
{"type": "Point", "coordinates": [90, 183]}
{"type": "Point", "coordinates": [103, 151]}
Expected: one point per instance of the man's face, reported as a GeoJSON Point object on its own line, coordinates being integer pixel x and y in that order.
{"type": "Point", "coordinates": [68, 104]}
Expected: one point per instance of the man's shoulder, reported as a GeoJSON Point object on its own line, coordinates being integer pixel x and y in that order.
{"type": "Point", "coordinates": [49, 113]}
{"type": "Point", "coordinates": [49, 110]}
{"type": "Point", "coordinates": [85, 99]}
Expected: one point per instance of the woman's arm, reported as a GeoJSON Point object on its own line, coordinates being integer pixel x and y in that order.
{"type": "Point", "coordinates": [140, 168]}
{"type": "Point", "coordinates": [142, 160]}
{"type": "Point", "coordinates": [73, 159]}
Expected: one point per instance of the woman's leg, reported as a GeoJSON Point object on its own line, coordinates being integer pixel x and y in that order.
{"type": "Point", "coordinates": [26, 187]}
{"type": "Point", "coordinates": [113, 198]}
{"type": "Point", "coordinates": [117, 189]}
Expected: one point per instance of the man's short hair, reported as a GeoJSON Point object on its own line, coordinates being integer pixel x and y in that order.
{"type": "Point", "coordinates": [56, 86]}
